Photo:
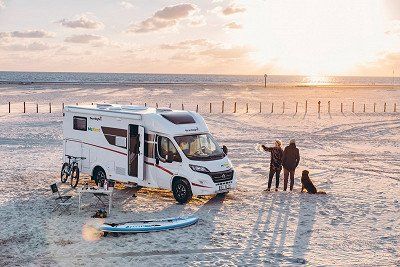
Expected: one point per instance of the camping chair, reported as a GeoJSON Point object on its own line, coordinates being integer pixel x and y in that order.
{"type": "Point", "coordinates": [62, 202]}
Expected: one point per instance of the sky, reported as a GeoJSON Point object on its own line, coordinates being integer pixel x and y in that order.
{"type": "Point", "coordinates": [281, 37]}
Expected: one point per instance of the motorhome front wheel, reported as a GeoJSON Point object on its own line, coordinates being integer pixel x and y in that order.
{"type": "Point", "coordinates": [182, 190]}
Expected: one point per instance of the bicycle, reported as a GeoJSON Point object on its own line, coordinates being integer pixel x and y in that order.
{"type": "Point", "coordinates": [71, 169]}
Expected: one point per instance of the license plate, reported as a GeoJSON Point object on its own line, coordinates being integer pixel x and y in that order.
{"type": "Point", "coordinates": [224, 187]}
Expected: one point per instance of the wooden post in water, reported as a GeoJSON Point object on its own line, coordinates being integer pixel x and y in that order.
{"type": "Point", "coordinates": [272, 107]}
{"type": "Point", "coordinates": [319, 107]}
{"type": "Point", "coordinates": [374, 107]}
{"type": "Point", "coordinates": [352, 108]}
{"type": "Point", "coordinates": [306, 106]}
{"type": "Point", "coordinates": [384, 107]}
{"type": "Point", "coordinates": [247, 107]}
{"type": "Point", "coordinates": [210, 108]}
{"type": "Point", "coordinates": [234, 108]}
{"type": "Point", "coordinates": [24, 108]}
{"type": "Point", "coordinates": [9, 107]}
{"type": "Point", "coordinates": [329, 107]}
{"type": "Point", "coordinates": [49, 107]}
{"type": "Point", "coordinates": [265, 80]}
{"type": "Point", "coordinates": [260, 107]}
{"type": "Point", "coordinates": [223, 106]}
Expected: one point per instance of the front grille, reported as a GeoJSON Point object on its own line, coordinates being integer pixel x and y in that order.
{"type": "Point", "coordinates": [219, 177]}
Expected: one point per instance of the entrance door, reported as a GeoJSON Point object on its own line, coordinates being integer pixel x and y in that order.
{"type": "Point", "coordinates": [136, 151]}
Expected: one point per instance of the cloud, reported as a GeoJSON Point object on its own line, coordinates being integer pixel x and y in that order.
{"type": "Point", "coordinates": [233, 9]}
{"type": "Point", "coordinates": [186, 44]}
{"type": "Point", "coordinates": [127, 5]}
{"type": "Point", "coordinates": [28, 34]}
{"type": "Point", "coordinates": [81, 22]}
{"type": "Point", "coordinates": [35, 46]}
{"type": "Point", "coordinates": [233, 25]}
{"type": "Point", "coordinates": [226, 53]}
{"type": "Point", "coordinates": [164, 18]}
{"type": "Point", "coordinates": [86, 39]}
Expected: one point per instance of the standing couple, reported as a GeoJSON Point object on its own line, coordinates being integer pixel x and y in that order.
{"type": "Point", "coordinates": [288, 158]}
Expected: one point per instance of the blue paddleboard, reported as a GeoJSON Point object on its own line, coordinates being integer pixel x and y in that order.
{"type": "Point", "coordinates": [149, 226]}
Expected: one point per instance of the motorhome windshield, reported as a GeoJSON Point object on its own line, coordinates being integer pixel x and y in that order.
{"type": "Point", "coordinates": [199, 147]}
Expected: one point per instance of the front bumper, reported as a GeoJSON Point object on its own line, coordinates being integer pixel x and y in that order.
{"type": "Point", "coordinates": [220, 182]}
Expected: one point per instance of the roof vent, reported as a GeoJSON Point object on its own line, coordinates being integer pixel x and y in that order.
{"type": "Point", "coordinates": [134, 107]}
{"type": "Point", "coordinates": [103, 106]}
{"type": "Point", "coordinates": [179, 117]}
{"type": "Point", "coordinates": [159, 110]}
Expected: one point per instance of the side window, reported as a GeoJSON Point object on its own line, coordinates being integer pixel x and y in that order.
{"type": "Point", "coordinates": [165, 147]}
{"type": "Point", "coordinates": [80, 123]}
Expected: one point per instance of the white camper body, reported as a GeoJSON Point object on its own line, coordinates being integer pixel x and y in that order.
{"type": "Point", "coordinates": [147, 146]}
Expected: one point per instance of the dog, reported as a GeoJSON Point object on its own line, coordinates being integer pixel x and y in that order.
{"type": "Point", "coordinates": [308, 185]}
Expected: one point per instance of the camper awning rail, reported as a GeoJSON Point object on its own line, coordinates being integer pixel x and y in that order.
{"type": "Point", "coordinates": [104, 112]}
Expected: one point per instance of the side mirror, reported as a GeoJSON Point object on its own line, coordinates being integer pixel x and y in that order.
{"type": "Point", "coordinates": [225, 149]}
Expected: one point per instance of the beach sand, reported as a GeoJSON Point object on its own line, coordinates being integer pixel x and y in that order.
{"type": "Point", "coordinates": [354, 157]}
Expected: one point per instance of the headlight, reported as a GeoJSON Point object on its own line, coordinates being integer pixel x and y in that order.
{"type": "Point", "coordinates": [199, 168]}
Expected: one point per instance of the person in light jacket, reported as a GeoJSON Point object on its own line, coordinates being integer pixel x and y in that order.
{"type": "Point", "coordinates": [290, 161]}
{"type": "Point", "coordinates": [275, 164]}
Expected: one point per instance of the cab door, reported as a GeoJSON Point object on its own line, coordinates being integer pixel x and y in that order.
{"type": "Point", "coordinates": [136, 151]}
{"type": "Point", "coordinates": [168, 162]}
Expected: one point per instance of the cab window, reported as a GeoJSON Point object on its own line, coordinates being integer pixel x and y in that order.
{"type": "Point", "coordinates": [166, 147]}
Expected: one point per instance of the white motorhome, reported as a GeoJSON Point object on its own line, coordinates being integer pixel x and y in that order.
{"type": "Point", "coordinates": [160, 148]}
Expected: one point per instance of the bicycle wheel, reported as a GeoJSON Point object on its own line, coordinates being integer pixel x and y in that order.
{"type": "Point", "coordinates": [64, 173]}
{"type": "Point", "coordinates": [74, 176]}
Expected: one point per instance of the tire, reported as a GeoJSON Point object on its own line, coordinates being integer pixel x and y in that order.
{"type": "Point", "coordinates": [182, 190]}
{"type": "Point", "coordinates": [64, 174]}
{"type": "Point", "coordinates": [99, 177]}
{"type": "Point", "coordinates": [222, 195]}
{"type": "Point", "coordinates": [74, 176]}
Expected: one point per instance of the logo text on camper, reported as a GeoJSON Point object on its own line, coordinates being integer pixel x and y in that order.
{"type": "Point", "coordinates": [192, 130]}
{"type": "Point", "coordinates": [95, 118]}
{"type": "Point", "coordinates": [97, 130]}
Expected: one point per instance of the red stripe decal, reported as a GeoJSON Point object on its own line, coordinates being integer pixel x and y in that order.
{"type": "Point", "coordinates": [199, 185]}
{"type": "Point", "coordinates": [109, 149]}
{"type": "Point", "coordinates": [158, 166]}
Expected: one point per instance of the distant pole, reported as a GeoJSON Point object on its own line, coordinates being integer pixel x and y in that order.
{"type": "Point", "coordinates": [306, 106]}
{"type": "Point", "coordinates": [24, 108]}
{"type": "Point", "coordinates": [247, 107]}
{"type": "Point", "coordinates": [395, 106]}
{"type": "Point", "coordinates": [374, 107]}
{"type": "Point", "coordinates": [352, 108]}
{"type": "Point", "coordinates": [210, 108]}
{"type": "Point", "coordinates": [62, 106]}
{"type": "Point", "coordinates": [272, 107]}
{"type": "Point", "coordinates": [169, 105]}
{"type": "Point", "coordinates": [297, 106]}
{"type": "Point", "coordinates": [384, 107]}
{"type": "Point", "coordinates": [183, 107]}
{"type": "Point", "coordinates": [364, 108]}
{"type": "Point", "coordinates": [341, 107]}
{"type": "Point", "coordinates": [234, 107]}
{"type": "Point", "coordinates": [156, 105]}
{"type": "Point", "coordinates": [223, 106]}
{"type": "Point", "coordinates": [319, 107]}
{"type": "Point", "coordinates": [260, 107]}
{"type": "Point", "coordinates": [49, 107]}
{"type": "Point", "coordinates": [197, 108]}
{"type": "Point", "coordinates": [9, 107]}
{"type": "Point", "coordinates": [37, 108]}
{"type": "Point", "coordinates": [265, 80]}
{"type": "Point", "coordinates": [77, 103]}
{"type": "Point", "coordinates": [329, 107]}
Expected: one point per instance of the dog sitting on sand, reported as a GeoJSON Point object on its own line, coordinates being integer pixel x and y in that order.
{"type": "Point", "coordinates": [308, 185]}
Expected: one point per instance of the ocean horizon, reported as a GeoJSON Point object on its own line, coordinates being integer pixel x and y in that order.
{"type": "Point", "coordinates": [88, 78]}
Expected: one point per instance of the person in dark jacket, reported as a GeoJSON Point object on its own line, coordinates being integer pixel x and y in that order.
{"type": "Point", "coordinates": [276, 163]}
{"type": "Point", "coordinates": [290, 161]}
